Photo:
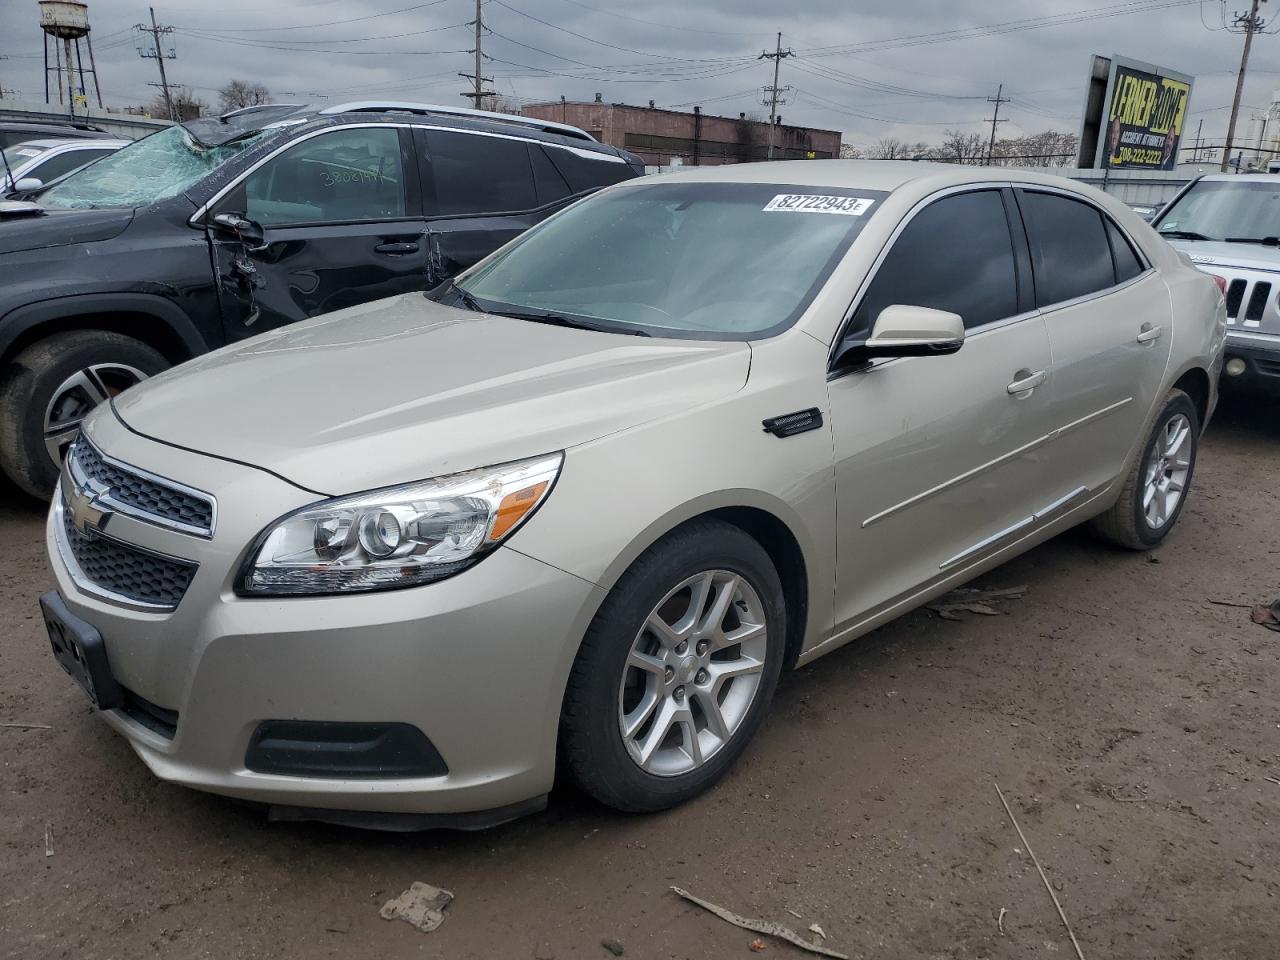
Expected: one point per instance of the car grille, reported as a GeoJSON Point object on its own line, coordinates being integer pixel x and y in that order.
{"type": "Point", "coordinates": [144, 498]}
{"type": "Point", "coordinates": [1247, 300]}
{"type": "Point", "coordinates": [125, 571]}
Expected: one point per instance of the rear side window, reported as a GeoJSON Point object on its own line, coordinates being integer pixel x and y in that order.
{"type": "Point", "coordinates": [478, 174]}
{"type": "Point", "coordinates": [954, 255]}
{"type": "Point", "coordinates": [1070, 253]}
{"type": "Point", "coordinates": [55, 167]}
{"type": "Point", "coordinates": [551, 185]}
{"type": "Point", "coordinates": [586, 170]}
{"type": "Point", "coordinates": [1126, 260]}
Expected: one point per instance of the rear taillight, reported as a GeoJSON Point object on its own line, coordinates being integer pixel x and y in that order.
{"type": "Point", "coordinates": [1221, 282]}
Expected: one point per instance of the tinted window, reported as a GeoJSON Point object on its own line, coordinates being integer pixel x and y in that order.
{"type": "Point", "coordinates": [588, 170]}
{"type": "Point", "coordinates": [478, 174]}
{"type": "Point", "coordinates": [551, 186]}
{"type": "Point", "coordinates": [1069, 250]}
{"type": "Point", "coordinates": [332, 178]}
{"type": "Point", "coordinates": [1127, 263]}
{"type": "Point", "coordinates": [954, 255]}
{"type": "Point", "coordinates": [55, 167]}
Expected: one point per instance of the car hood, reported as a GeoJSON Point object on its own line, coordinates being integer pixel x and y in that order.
{"type": "Point", "coordinates": [56, 228]}
{"type": "Point", "coordinates": [404, 389]}
{"type": "Point", "coordinates": [1249, 256]}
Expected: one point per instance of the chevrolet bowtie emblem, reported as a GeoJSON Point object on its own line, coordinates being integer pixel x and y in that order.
{"type": "Point", "coordinates": [84, 502]}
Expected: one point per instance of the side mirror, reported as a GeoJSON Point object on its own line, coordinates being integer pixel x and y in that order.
{"type": "Point", "coordinates": [250, 231]}
{"type": "Point", "coordinates": [28, 185]}
{"type": "Point", "coordinates": [903, 330]}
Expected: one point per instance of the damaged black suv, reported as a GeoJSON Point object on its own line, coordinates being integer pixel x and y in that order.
{"type": "Point", "coordinates": [219, 228]}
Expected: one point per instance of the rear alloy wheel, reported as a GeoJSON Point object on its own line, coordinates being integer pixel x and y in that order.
{"type": "Point", "coordinates": [1156, 488]}
{"type": "Point", "coordinates": [677, 669]}
{"type": "Point", "coordinates": [49, 388]}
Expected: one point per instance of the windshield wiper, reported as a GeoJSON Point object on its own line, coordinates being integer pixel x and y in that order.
{"type": "Point", "coordinates": [1184, 235]}
{"type": "Point", "coordinates": [1265, 241]}
{"type": "Point", "coordinates": [464, 298]}
{"type": "Point", "coordinates": [560, 320]}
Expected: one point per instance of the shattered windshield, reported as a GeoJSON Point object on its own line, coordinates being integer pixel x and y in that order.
{"type": "Point", "coordinates": [154, 168]}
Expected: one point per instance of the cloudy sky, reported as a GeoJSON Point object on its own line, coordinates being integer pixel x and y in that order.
{"type": "Point", "coordinates": [872, 69]}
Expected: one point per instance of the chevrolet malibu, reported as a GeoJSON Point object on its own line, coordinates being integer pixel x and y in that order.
{"type": "Point", "coordinates": [588, 500]}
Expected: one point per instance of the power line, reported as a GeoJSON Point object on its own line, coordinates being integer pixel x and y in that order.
{"type": "Point", "coordinates": [329, 23]}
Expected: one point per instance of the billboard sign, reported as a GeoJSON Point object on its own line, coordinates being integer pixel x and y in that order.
{"type": "Point", "coordinates": [1134, 115]}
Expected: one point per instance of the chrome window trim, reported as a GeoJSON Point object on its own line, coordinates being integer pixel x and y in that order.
{"type": "Point", "coordinates": [1104, 292]}
{"type": "Point", "coordinates": [893, 239]}
{"type": "Point", "coordinates": [197, 218]}
{"type": "Point", "coordinates": [87, 586]}
{"type": "Point", "coordinates": [142, 516]}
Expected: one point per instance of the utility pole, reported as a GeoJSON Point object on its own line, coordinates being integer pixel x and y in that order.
{"type": "Point", "coordinates": [159, 57]}
{"type": "Point", "coordinates": [1249, 24]}
{"type": "Point", "coordinates": [1199, 129]}
{"type": "Point", "coordinates": [478, 92]}
{"type": "Point", "coordinates": [772, 95]}
{"type": "Point", "coordinates": [998, 99]}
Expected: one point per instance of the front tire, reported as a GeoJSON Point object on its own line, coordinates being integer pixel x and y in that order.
{"type": "Point", "coordinates": [49, 387]}
{"type": "Point", "coordinates": [1156, 488]}
{"type": "Point", "coordinates": [676, 670]}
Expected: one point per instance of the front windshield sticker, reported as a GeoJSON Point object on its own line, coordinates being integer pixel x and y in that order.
{"type": "Point", "coordinates": [813, 203]}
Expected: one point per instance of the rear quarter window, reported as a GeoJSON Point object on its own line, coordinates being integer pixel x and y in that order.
{"type": "Point", "coordinates": [586, 170]}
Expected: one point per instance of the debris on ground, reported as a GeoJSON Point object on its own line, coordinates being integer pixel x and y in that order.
{"type": "Point", "coordinates": [613, 946]}
{"type": "Point", "coordinates": [758, 945]}
{"type": "Point", "coordinates": [815, 929]}
{"type": "Point", "coordinates": [1040, 870]}
{"type": "Point", "coordinates": [48, 840]}
{"type": "Point", "coordinates": [767, 927]}
{"type": "Point", "coordinates": [1267, 616]}
{"type": "Point", "coordinates": [1000, 921]}
{"type": "Point", "coordinates": [1274, 780]}
{"type": "Point", "coordinates": [422, 905]}
{"type": "Point", "coordinates": [974, 600]}
{"type": "Point", "coordinates": [27, 726]}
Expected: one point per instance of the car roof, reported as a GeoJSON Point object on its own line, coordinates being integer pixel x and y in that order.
{"type": "Point", "coordinates": [1242, 177]}
{"type": "Point", "coordinates": [75, 131]}
{"type": "Point", "coordinates": [50, 143]}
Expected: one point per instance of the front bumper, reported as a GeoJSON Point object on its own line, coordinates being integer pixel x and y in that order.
{"type": "Point", "coordinates": [477, 663]}
{"type": "Point", "coordinates": [1260, 354]}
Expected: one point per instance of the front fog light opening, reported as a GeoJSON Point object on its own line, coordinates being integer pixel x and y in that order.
{"type": "Point", "coordinates": [1235, 367]}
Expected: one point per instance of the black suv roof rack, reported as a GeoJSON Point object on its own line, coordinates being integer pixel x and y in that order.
{"type": "Point", "coordinates": [397, 106]}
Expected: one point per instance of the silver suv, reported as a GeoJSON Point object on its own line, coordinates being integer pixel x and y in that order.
{"type": "Point", "coordinates": [1229, 225]}
{"type": "Point", "coordinates": [592, 497]}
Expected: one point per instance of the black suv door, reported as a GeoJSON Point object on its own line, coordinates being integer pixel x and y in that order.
{"type": "Point", "coordinates": [341, 217]}
{"type": "Point", "coordinates": [482, 189]}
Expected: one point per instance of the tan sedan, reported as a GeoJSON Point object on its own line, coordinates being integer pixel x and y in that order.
{"type": "Point", "coordinates": [595, 495]}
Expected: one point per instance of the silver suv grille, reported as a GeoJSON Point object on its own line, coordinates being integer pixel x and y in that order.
{"type": "Point", "coordinates": [140, 495]}
{"type": "Point", "coordinates": [125, 572]}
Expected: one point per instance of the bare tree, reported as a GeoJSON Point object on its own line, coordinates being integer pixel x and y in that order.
{"type": "Point", "coordinates": [891, 148]}
{"type": "Point", "coordinates": [242, 93]}
{"type": "Point", "coordinates": [185, 103]}
{"type": "Point", "coordinates": [959, 147]}
{"type": "Point", "coordinates": [1051, 148]}
{"type": "Point", "coordinates": [849, 152]}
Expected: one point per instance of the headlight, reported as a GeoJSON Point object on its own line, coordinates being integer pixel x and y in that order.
{"type": "Point", "coordinates": [397, 536]}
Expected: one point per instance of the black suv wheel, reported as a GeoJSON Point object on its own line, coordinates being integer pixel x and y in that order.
{"type": "Point", "coordinates": [47, 389]}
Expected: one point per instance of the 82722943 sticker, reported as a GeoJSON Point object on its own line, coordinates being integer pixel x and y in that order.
{"type": "Point", "coordinates": [815, 203]}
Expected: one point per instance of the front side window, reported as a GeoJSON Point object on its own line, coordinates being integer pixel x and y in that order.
{"type": "Point", "coordinates": [700, 260]}
{"type": "Point", "coordinates": [955, 255]}
{"type": "Point", "coordinates": [479, 174]}
{"type": "Point", "coordinates": [154, 168]}
{"type": "Point", "coordinates": [1070, 253]}
{"type": "Point", "coordinates": [1242, 210]}
{"type": "Point", "coordinates": [337, 177]}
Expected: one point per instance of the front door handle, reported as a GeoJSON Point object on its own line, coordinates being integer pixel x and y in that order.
{"type": "Point", "coordinates": [1149, 334]}
{"type": "Point", "coordinates": [397, 248]}
{"type": "Point", "coordinates": [1026, 382]}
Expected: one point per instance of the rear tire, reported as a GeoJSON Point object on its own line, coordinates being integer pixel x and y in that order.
{"type": "Point", "coordinates": [1156, 489]}
{"type": "Point", "coordinates": [703, 614]}
{"type": "Point", "coordinates": [46, 390]}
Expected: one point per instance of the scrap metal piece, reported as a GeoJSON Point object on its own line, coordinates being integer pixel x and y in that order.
{"type": "Point", "coordinates": [422, 905]}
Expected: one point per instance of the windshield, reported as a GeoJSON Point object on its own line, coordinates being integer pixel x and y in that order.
{"type": "Point", "coordinates": [692, 259]}
{"type": "Point", "coordinates": [1243, 209]}
{"type": "Point", "coordinates": [151, 169]}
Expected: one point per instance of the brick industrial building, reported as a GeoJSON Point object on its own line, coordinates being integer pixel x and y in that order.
{"type": "Point", "coordinates": [696, 138]}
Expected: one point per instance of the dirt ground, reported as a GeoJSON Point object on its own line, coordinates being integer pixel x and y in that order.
{"type": "Point", "coordinates": [1131, 723]}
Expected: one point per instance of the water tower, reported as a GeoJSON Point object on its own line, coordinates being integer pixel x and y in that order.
{"type": "Point", "coordinates": [68, 21]}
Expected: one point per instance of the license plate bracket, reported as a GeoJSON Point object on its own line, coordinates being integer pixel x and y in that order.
{"type": "Point", "coordinates": [81, 652]}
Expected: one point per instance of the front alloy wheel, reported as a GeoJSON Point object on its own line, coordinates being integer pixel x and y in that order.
{"type": "Point", "coordinates": [76, 396]}
{"type": "Point", "coordinates": [693, 671]}
{"type": "Point", "coordinates": [676, 670]}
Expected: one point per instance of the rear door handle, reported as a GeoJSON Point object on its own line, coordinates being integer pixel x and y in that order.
{"type": "Point", "coordinates": [397, 248]}
{"type": "Point", "coordinates": [1026, 382]}
{"type": "Point", "coordinates": [1148, 333]}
